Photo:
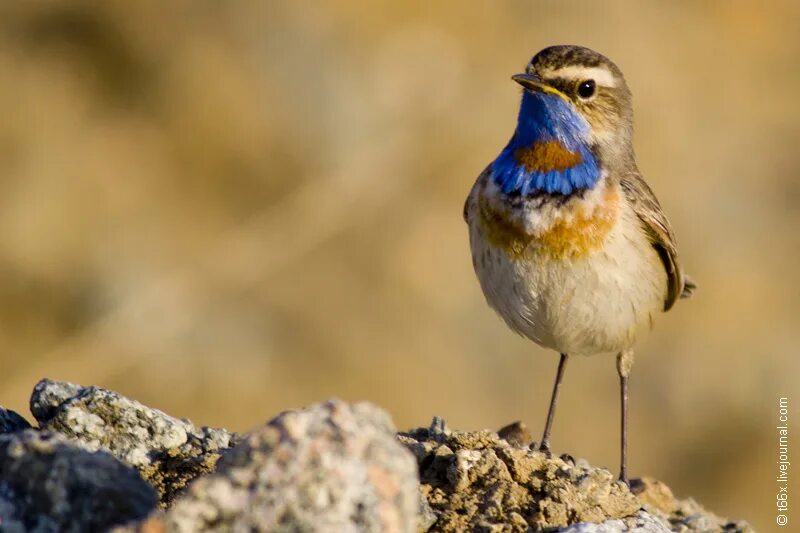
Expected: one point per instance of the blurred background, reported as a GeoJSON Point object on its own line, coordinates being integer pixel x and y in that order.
{"type": "Point", "coordinates": [227, 209]}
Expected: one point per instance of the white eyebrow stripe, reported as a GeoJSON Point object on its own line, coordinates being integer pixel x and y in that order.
{"type": "Point", "coordinates": [601, 76]}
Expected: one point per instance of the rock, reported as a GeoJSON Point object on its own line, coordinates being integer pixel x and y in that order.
{"type": "Point", "coordinates": [641, 522]}
{"type": "Point", "coordinates": [49, 485]}
{"type": "Point", "coordinates": [11, 422]}
{"type": "Point", "coordinates": [426, 515]}
{"type": "Point", "coordinates": [516, 434]}
{"type": "Point", "coordinates": [478, 481]}
{"type": "Point", "coordinates": [166, 451]}
{"type": "Point", "coordinates": [330, 467]}
{"type": "Point", "coordinates": [48, 396]}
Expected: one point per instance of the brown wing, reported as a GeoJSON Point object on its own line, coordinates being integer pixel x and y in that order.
{"type": "Point", "coordinates": [647, 208]}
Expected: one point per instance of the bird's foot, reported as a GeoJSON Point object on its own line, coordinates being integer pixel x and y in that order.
{"type": "Point", "coordinates": [544, 447]}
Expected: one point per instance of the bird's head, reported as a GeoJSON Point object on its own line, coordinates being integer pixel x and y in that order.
{"type": "Point", "coordinates": [575, 121]}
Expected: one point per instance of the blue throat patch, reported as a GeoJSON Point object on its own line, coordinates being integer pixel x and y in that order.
{"type": "Point", "coordinates": [548, 152]}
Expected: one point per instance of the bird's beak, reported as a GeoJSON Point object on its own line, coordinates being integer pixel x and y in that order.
{"type": "Point", "coordinates": [534, 83]}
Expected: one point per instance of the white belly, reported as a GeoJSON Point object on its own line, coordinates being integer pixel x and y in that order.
{"type": "Point", "coordinates": [586, 305]}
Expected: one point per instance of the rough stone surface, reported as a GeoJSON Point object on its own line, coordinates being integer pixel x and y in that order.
{"type": "Point", "coordinates": [48, 395]}
{"type": "Point", "coordinates": [331, 467]}
{"type": "Point", "coordinates": [49, 485]}
{"type": "Point", "coordinates": [478, 481]}
{"type": "Point", "coordinates": [11, 421]}
{"type": "Point", "coordinates": [167, 452]}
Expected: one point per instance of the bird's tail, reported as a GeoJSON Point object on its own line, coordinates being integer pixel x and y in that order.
{"type": "Point", "coordinates": [689, 287]}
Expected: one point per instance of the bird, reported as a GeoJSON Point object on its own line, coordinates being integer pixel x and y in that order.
{"type": "Point", "coordinates": [569, 243]}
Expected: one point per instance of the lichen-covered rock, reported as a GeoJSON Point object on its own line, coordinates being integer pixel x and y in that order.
{"type": "Point", "coordinates": [330, 467]}
{"type": "Point", "coordinates": [49, 485]}
{"type": "Point", "coordinates": [11, 421]}
{"type": "Point", "coordinates": [166, 451]}
{"type": "Point", "coordinates": [478, 481]}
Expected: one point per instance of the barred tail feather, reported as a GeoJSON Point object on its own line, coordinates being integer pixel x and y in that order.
{"type": "Point", "coordinates": [689, 287]}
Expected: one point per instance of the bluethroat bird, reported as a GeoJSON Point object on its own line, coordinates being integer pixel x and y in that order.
{"type": "Point", "coordinates": [569, 243]}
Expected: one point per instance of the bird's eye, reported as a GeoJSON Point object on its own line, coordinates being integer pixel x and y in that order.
{"type": "Point", "coordinates": [586, 89]}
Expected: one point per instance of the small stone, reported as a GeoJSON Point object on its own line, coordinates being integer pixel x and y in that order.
{"type": "Point", "coordinates": [48, 395]}
{"type": "Point", "coordinates": [516, 434]}
{"type": "Point", "coordinates": [567, 458]}
{"type": "Point", "coordinates": [11, 422]}
{"type": "Point", "coordinates": [438, 427]}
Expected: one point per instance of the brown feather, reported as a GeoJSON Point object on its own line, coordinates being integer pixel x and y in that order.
{"type": "Point", "coordinates": [658, 229]}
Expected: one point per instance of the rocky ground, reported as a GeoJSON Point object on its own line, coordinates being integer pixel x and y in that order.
{"type": "Point", "coordinates": [98, 461]}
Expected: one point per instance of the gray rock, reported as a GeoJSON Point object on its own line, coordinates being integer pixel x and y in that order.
{"type": "Point", "coordinates": [49, 485]}
{"type": "Point", "coordinates": [11, 421]}
{"type": "Point", "coordinates": [166, 451]}
{"type": "Point", "coordinates": [330, 467]}
{"type": "Point", "coordinates": [48, 396]}
{"type": "Point", "coordinates": [642, 522]}
{"type": "Point", "coordinates": [426, 515]}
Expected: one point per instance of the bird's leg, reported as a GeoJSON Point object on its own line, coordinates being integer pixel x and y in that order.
{"type": "Point", "coordinates": [545, 445]}
{"type": "Point", "coordinates": [624, 364]}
